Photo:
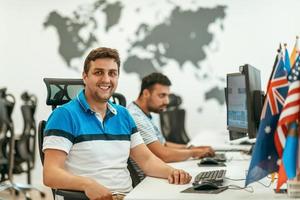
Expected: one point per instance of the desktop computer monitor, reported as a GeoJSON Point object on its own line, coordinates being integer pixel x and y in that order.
{"type": "Point", "coordinates": [244, 102]}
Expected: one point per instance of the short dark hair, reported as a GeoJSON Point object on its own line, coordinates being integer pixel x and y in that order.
{"type": "Point", "coordinates": [155, 78]}
{"type": "Point", "coordinates": [101, 52]}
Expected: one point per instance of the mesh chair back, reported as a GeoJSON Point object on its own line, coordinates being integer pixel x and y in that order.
{"type": "Point", "coordinates": [3, 129]}
{"type": "Point", "coordinates": [7, 103]}
{"type": "Point", "coordinates": [41, 129]}
{"type": "Point", "coordinates": [61, 91]}
{"type": "Point", "coordinates": [26, 144]}
{"type": "Point", "coordinates": [173, 121]}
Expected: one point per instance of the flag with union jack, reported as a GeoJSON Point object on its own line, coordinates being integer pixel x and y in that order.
{"type": "Point", "coordinates": [264, 156]}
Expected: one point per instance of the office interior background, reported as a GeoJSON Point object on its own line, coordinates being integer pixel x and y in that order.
{"type": "Point", "coordinates": [195, 43]}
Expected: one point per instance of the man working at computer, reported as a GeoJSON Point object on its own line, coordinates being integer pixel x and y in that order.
{"type": "Point", "coordinates": [154, 97]}
{"type": "Point", "coordinates": [88, 140]}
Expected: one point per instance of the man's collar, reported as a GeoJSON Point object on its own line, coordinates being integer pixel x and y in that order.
{"type": "Point", "coordinates": [83, 102]}
{"type": "Point", "coordinates": [148, 115]}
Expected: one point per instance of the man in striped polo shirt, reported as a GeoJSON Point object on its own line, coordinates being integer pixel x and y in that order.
{"type": "Point", "coordinates": [88, 141]}
{"type": "Point", "coordinates": [154, 97]}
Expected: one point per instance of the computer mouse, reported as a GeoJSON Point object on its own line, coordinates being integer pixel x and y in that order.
{"type": "Point", "coordinates": [208, 161]}
{"type": "Point", "coordinates": [206, 185]}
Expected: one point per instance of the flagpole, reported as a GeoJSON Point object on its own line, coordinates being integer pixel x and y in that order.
{"type": "Point", "coordinates": [295, 52]}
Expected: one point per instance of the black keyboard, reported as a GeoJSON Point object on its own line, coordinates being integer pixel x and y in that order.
{"type": "Point", "coordinates": [215, 176]}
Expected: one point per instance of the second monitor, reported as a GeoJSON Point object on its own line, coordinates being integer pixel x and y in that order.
{"type": "Point", "coordinates": [244, 102]}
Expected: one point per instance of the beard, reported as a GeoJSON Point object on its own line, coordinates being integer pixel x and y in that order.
{"type": "Point", "coordinates": [158, 109]}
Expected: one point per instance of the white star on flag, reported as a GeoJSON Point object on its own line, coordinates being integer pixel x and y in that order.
{"type": "Point", "coordinates": [268, 129]}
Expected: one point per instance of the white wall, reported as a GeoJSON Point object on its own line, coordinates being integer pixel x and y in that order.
{"type": "Point", "coordinates": [252, 32]}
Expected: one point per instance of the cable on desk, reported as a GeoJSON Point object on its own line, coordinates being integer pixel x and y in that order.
{"type": "Point", "coordinates": [267, 186]}
{"type": "Point", "coordinates": [235, 179]}
{"type": "Point", "coordinates": [242, 179]}
{"type": "Point", "coordinates": [236, 187]}
{"type": "Point", "coordinates": [233, 158]}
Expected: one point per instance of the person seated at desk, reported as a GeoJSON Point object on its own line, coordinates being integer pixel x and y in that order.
{"type": "Point", "coordinates": [88, 141]}
{"type": "Point", "coordinates": [154, 97]}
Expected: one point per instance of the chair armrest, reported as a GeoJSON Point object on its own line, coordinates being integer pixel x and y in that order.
{"type": "Point", "coordinates": [71, 194]}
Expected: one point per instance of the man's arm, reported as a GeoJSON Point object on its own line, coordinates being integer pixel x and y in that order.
{"type": "Point", "coordinates": [168, 154]}
{"type": "Point", "coordinates": [182, 146]}
{"type": "Point", "coordinates": [175, 145]}
{"type": "Point", "coordinates": [153, 166]}
{"type": "Point", "coordinates": [56, 176]}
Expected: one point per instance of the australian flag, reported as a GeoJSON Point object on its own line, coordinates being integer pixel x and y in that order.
{"type": "Point", "coordinates": [264, 156]}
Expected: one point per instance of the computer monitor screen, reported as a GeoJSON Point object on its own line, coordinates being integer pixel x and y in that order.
{"type": "Point", "coordinates": [244, 102]}
{"type": "Point", "coordinates": [237, 102]}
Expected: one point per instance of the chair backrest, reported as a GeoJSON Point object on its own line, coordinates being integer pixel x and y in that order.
{"type": "Point", "coordinates": [61, 91]}
{"type": "Point", "coordinates": [28, 111]}
{"type": "Point", "coordinates": [41, 128]}
{"type": "Point", "coordinates": [118, 98]}
{"type": "Point", "coordinates": [26, 145]}
{"type": "Point", "coordinates": [173, 122]}
{"type": "Point", "coordinates": [174, 102]}
{"type": "Point", "coordinates": [7, 103]}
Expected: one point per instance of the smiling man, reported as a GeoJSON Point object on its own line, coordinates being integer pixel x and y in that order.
{"type": "Point", "coordinates": [88, 141]}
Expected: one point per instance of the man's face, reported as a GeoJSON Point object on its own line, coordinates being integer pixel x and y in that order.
{"type": "Point", "coordinates": [101, 80]}
{"type": "Point", "coordinates": [158, 98]}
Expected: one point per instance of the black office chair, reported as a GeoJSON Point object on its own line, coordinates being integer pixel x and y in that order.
{"type": "Point", "coordinates": [173, 121]}
{"type": "Point", "coordinates": [7, 134]}
{"type": "Point", "coordinates": [59, 92]}
{"type": "Point", "coordinates": [25, 145]}
{"type": "Point", "coordinates": [7, 103]}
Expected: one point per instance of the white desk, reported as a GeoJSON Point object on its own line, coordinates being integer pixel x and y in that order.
{"type": "Point", "coordinates": [159, 189]}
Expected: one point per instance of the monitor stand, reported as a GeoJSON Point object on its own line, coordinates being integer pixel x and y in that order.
{"type": "Point", "coordinates": [240, 138]}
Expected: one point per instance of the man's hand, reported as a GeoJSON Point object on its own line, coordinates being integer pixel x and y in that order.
{"type": "Point", "coordinates": [179, 176]}
{"type": "Point", "coordinates": [95, 191]}
{"type": "Point", "coordinates": [202, 151]}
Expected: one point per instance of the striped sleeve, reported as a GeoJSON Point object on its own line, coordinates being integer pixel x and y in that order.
{"type": "Point", "coordinates": [58, 132]}
{"type": "Point", "coordinates": [145, 128]}
{"type": "Point", "coordinates": [135, 137]}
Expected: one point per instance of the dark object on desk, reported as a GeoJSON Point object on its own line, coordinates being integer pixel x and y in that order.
{"type": "Point", "coordinates": [215, 176]}
{"type": "Point", "coordinates": [281, 191]}
{"type": "Point", "coordinates": [203, 191]}
{"type": "Point", "coordinates": [211, 162]}
{"type": "Point", "coordinates": [206, 185]}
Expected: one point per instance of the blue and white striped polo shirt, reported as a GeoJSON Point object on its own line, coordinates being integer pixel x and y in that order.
{"type": "Point", "coordinates": [96, 149]}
